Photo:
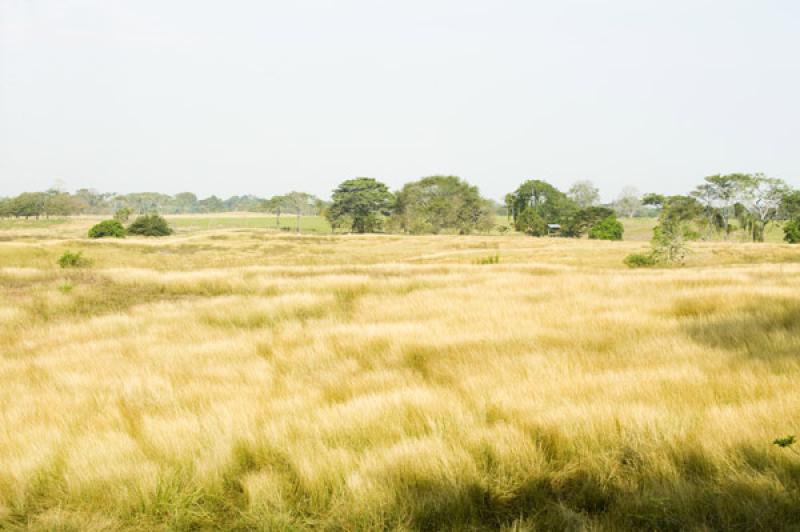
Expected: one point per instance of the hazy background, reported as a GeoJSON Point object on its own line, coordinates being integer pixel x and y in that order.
{"type": "Point", "coordinates": [264, 96]}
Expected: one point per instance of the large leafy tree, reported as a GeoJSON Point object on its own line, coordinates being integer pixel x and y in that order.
{"type": "Point", "coordinates": [585, 219]}
{"type": "Point", "coordinates": [549, 203]}
{"type": "Point", "coordinates": [360, 204]}
{"type": "Point", "coordinates": [28, 204]}
{"type": "Point", "coordinates": [723, 192]}
{"type": "Point", "coordinates": [762, 196]}
{"type": "Point", "coordinates": [442, 203]}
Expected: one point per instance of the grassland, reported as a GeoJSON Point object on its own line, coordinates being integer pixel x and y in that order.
{"type": "Point", "coordinates": [241, 378]}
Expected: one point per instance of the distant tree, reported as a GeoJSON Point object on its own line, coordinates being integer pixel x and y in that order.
{"type": "Point", "coordinates": [58, 203]}
{"type": "Point", "coordinates": [628, 202]}
{"type": "Point", "coordinates": [210, 204]}
{"type": "Point", "coordinates": [92, 201]}
{"type": "Point", "coordinates": [607, 229]}
{"type": "Point", "coordinates": [150, 225]}
{"type": "Point", "coordinates": [790, 205]}
{"type": "Point", "coordinates": [185, 202]}
{"type": "Point", "coordinates": [653, 199]}
{"type": "Point", "coordinates": [361, 204]}
{"type": "Point", "coordinates": [508, 201]}
{"type": "Point", "coordinates": [762, 196]}
{"type": "Point", "coordinates": [705, 194]}
{"type": "Point", "coordinates": [442, 203]}
{"type": "Point", "coordinates": [299, 203]}
{"type": "Point", "coordinates": [550, 204]}
{"type": "Point", "coordinates": [275, 205]}
{"type": "Point", "coordinates": [725, 191]}
{"type": "Point", "coordinates": [122, 214]}
{"type": "Point", "coordinates": [674, 229]}
{"type": "Point", "coordinates": [5, 208]}
{"type": "Point", "coordinates": [147, 202]}
{"type": "Point", "coordinates": [791, 231]}
{"type": "Point", "coordinates": [584, 194]}
{"type": "Point", "coordinates": [584, 219]}
{"type": "Point", "coordinates": [530, 223]}
{"type": "Point", "coordinates": [28, 204]}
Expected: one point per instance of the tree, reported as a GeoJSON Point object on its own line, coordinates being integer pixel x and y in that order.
{"type": "Point", "coordinates": [628, 202]}
{"type": "Point", "coordinates": [299, 203]}
{"type": "Point", "coordinates": [704, 193]}
{"type": "Point", "coordinates": [92, 201]}
{"type": "Point", "coordinates": [360, 204]}
{"type": "Point", "coordinates": [185, 202]}
{"type": "Point", "coordinates": [5, 207]}
{"type": "Point", "coordinates": [762, 196]}
{"type": "Point", "coordinates": [584, 220]}
{"type": "Point", "coordinates": [57, 203]}
{"type": "Point", "coordinates": [653, 199]}
{"type": "Point", "coordinates": [724, 191]}
{"type": "Point", "coordinates": [442, 203]}
{"type": "Point", "coordinates": [607, 229]}
{"type": "Point", "coordinates": [275, 205]}
{"type": "Point", "coordinates": [210, 204]}
{"type": "Point", "coordinates": [584, 194]}
{"type": "Point", "coordinates": [790, 205]}
{"type": "Point", "coordinates": [674, 229]}
{"type": "Point", "coordinates": [791, 231]}
{"type": "Point", "coordinates": [549, 203]}
{"type": "Point", "coordinates": [28, 204]}
{"type": "Point", "coordinates": [122, 214]}
{"type": "Point", "coordinates": [530, 223]}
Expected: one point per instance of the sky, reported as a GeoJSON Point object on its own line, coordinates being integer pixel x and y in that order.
{"type": "Point", "coordinates": [263, 97]}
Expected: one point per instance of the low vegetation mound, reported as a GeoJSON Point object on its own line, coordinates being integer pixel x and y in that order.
{"type": "Point", "coordinates": [107, 228]}
{"type": "Point", "coordinates": [150, 225]}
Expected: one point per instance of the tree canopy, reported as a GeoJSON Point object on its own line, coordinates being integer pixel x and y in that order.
{"type": "Point", "coordinates": [440, 203]}
{"type": "Point", "coordinates": [360, 205]}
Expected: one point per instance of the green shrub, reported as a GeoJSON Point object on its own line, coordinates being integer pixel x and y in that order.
{"type": "Point", "coordinates": [150, 225]}
{"type": "Point", "coordinates": [531, 223]}
{"type": "Point", "coordinates": [106, 228]}
{"type": "Point", "coordinates": [607, 229]}
{"type": "Point", "coordinates": [640, 260]}
{"type": "Point", "coordinates": [791, 231]}
{"type": "Point", "coordinates": [73, 260]}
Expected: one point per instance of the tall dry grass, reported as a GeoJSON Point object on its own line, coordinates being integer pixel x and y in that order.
{"type": "Point", "coordinates": [256, 381]}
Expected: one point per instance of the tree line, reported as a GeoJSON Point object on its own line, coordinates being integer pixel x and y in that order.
{"type": "Point", "coordinates": [719, 206]}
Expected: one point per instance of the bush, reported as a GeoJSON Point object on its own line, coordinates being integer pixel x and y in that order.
{"type": "Point", "coordinates": [791, 231]}
{"type": "Point", "coordinates": [531, 223]}
{"type": "Point", "coordinates": [150, 225]}
{"type": "Point", "coordinates": [607, 229]}
{"type": "Point", "coordinates": [73, 260]}
{"type": "Point", "coordinates": [640, 260]}
{"type": "Point", "coordinates": [107, 228]}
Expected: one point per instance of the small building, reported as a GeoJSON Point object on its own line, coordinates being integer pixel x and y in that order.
{"type": "Point", "coordinates": [553, 229]}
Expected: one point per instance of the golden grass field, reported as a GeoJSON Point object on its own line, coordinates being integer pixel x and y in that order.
{"type": "Point", "coordinates": [251, 379]}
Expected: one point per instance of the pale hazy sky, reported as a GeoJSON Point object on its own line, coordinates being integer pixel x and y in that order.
{"type": "Point", "coordinates": [262, 97]}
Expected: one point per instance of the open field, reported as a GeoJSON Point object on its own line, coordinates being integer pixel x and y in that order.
{"type": "Point", "coordinates": [241, 378]}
